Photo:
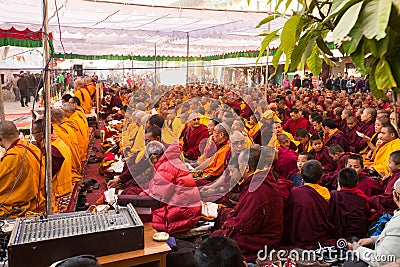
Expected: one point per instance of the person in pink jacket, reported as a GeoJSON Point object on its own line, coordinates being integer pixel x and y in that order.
{"type": "Point", "coordinates": [175, 188]}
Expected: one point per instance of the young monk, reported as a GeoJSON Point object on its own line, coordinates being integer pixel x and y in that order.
{"type": "Point", "coordinates": [374, 142]}
{"type": "Point", "coordinates": [306, 221]}
{"type": "Point", "coordinates": [350, 131]}
{"type": "Point", "coordinates": [333, 135]}
{"type": "Point", "coordinates": [369, 186]}
{"type": "Point", "coordinates": [321, 153]}
{"type": "Point", "coordinates": [348, 206]}
{"type": "Point", "coordinates": [295, 122]}
{"type": "Point", "coordinates": [295, 176]}
{"type": "Point", "coordinates": [303, 138]}
{"type": "Point", "coordinates": [287, 158]}
{"type": "Point", "coordinates": [279, 131]}
{"type": "Point", "coordinates": [384, 202]}
{"type": "Point", "coordinates": [329, 179]}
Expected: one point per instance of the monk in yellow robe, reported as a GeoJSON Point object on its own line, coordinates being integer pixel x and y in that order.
{"type": "Point", "coordinates": [80, 116]}
{"type": "Point", "coordinates": [239, 125]}
{"type": "Point", "coordinates": [69, 137]}
{"type": "Point", "coordinates": [84, 96]}
{"type": "Point", "coordinates": [172, 127]}
{"type": "Point", "coordinates": [22, 175]}
{"type": "Point", "coordinates": [279, 130]}
{"type": "Point", "coordinates": [213, 167]}
{"type": "Point", "coordinates": [79, 110]}
{"type": "Point", "coordinates": [133, 131]}
{"type": "Point", "coordinates": [390, 143]}
{"type": "Point", "coordinates": [91, 86]}
{"type": "Point", "coordinates": [133, 136]}
{"type": "Point", "coordinates": [255, 126]}
{"type": "Point", "coordinates": [61, 166]}
{"type": "Point", "coordinates": [73, 120]}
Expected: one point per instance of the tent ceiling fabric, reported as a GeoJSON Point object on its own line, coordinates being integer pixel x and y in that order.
{"type": "Point", "coordinates": [92, 27]}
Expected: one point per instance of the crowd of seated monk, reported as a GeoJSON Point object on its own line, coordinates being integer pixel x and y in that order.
{"type": "Point", "coordinates": [286, 171]}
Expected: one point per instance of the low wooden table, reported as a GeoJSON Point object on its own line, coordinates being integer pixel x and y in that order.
{"type": "Point", "coordinates": [153, 252]}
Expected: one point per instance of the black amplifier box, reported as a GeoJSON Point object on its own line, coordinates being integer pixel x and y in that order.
{"type": "Point", "coordinates": [41, 242]}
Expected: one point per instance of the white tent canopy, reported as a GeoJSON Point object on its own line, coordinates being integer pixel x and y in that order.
{"type": "Point", "coordinates": [90, 27]}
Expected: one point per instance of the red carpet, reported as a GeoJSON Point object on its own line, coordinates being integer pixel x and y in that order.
{"type": "Point", "coordinates": [92, 172]}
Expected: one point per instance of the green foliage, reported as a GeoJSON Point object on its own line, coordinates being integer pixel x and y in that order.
{"type": "Point", "coordinates": [314, 62]}
{"type": "Point", "coordinates": [347, 21]}
{"type": "Point", "coordinates": [383, 75]}
{"type": "Point", "coordinates": [267, 39]}
{"type": "Point", "coordinates": [375, 18]}
{"type": "Point", "coordinates": [266, 20]}
{"type": "Point", "coordinates": [289, 34]}
{"type": "Point", "coordinates": [366, 30]}
{"type": "Point", "coordinates": [355, 37]}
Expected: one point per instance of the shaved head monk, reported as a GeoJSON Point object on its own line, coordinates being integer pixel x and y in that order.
{"type": "Point", "coordinates": [61, 165]}
{"type": "Point", "coordinates": [257, 219]}
{"type": "Point", "coordinates": [368, 125]}
{"type": "Point", "coordinates": [84, 95]}
{"type": "Point", "coordinates": [390, 143]}
{"type": "Point", "coordinates": [287, 158]}
{"type": "Point", "coordinates": [70, 139]}
{"type": "Point", "coordinates": [384, 202]}
{"type": "Point", "coordinates": [306, 220]}
{"type": "Point", "coordinates": [214, 166]}
{"type": "Point", "coordinates": [192, 136]}
{"type": "Point", "coordinates": [80, 128]}
{"type": "Point", "coordinates": [21, 175]}
{"type": "Point", "coordinates": [348, 207]}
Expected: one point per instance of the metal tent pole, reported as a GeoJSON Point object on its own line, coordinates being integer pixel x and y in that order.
{"type": "Point", "coordinates": [187, 64]}
{"type": "Point", "coordinates": [155, 64]}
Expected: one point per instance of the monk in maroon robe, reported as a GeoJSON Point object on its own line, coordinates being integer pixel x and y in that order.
{"type": "Point", "coordinates": [285, 187]}
{"type": "Point", "coordinates": [333, 136]}
{"type": "Point", "coordinates": [329, 179]}
{"type": "Point", "coordinates": [368, 126]}
{"type": "Point", "coordinates": [287, 158]}
{"type": "Point", "coordinates": [341, 124]}
{"type": "Point", "coordinates": [321, 153]}
{"type": "Point", "coordinates": [384, 202]}
{"type": "Point", "coordinates": [115, 101]}
{"type": "Point", "coordinates": [137, 176]}
{"type": "Point", "coordinates": [192, 137]}
{"type": "Point", "coordinates": [257, 220]}
{"type": "Point", "coordinates": [306, 211]}
{"type": "Point", "coordinates": [348, 207]}
{"type": "Point", "coordinates": [247, 111]}
{"type": "Point", "coordinates": [233, 103]}
{"type": "Point", "coordinates": [353, 126]}
{"type": "Point", "coordinates": [295, 122]}
{"type": "Point", "coordinates": [366, 184]}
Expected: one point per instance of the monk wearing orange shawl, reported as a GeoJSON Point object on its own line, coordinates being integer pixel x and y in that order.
{"type": "Point", "coordinates": [213, 167]}
{"type": "Point", "coordinates": [73, 120]}
{"type": "Point", "coordinates": [61, 165]}
{"type": "Point", "coordinates": [84, 96]}
{"type": "Point", "coordinates": [22, 175]}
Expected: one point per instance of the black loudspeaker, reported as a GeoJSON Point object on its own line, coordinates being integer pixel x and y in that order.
{"type": "Point", "coordinates": [78, 70]}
